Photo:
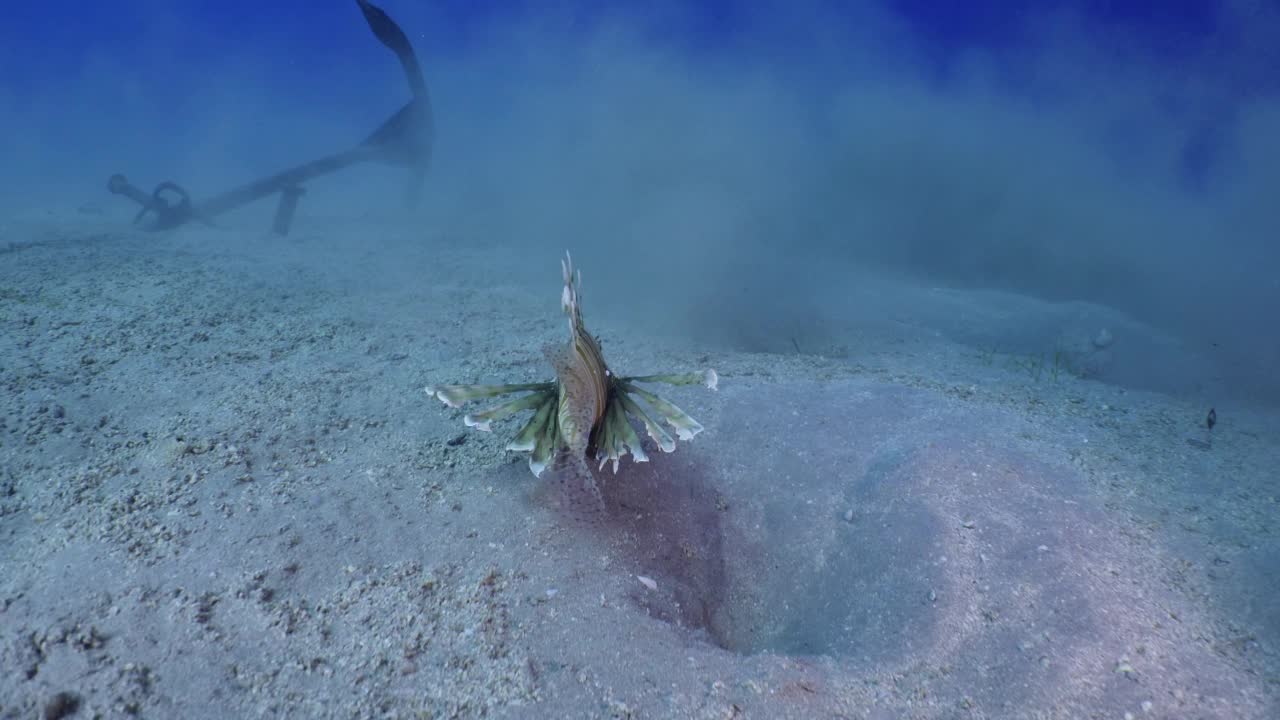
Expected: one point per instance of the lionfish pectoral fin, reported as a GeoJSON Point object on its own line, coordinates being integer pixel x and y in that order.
{"type": "Point", "coordinates": [625, 433]}
{"type": "Point", "coordinates": [618, 437]}
{"type": "Point", "coordinates": [527, 439]}
{"type": "Point", "coordinates": [457, 395]}
{"type": "Point", "coordinates": [546, 444]}
{"type": "Point", "coordinates": [685, 426]}
{"type": "Point", "coordinates": [707, 378]}
{"type": "Point", "coordinates": [660, 436]}
{"type": "Point", "coordinates": [483, 420]}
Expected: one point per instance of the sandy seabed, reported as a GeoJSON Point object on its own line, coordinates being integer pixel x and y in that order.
{"type": "Point", "coordinates": [223, 493]}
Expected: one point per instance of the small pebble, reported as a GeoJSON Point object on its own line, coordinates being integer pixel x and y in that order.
{"type": "Point", "coordinates": [62, 705]}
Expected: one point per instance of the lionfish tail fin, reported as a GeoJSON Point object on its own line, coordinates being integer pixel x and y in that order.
{"type": "Point", "coordinates": [578, 493]}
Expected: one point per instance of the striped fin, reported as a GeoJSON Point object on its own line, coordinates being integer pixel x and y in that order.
{"type": "Point", "coordinates": [483, 420]}
{"type": "Point", "coordinates": [686, 427]}
{"type": "Point", "coordinates": [707, 378]}
{"type": "Point", "coordinates": [456, 395]}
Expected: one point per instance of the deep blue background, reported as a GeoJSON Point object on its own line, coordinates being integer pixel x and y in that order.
{"type": "Point", "coordinates": [63, 32]}
{"type": "Point", "coordinates": [43, 43]}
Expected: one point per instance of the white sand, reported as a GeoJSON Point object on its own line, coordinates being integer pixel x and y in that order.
{"type": "Point", "coordinates": [223, 493]}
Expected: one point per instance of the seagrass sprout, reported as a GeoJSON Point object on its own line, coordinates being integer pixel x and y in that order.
{"type": "Point", "coordinates": [586, 410]}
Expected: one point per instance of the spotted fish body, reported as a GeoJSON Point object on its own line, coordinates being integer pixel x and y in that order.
{"type": "Point", "coordinates": [586, 411]}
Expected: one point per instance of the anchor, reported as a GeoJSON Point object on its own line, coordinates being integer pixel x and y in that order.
{"type": "Point", "coordinates": [405, 140]}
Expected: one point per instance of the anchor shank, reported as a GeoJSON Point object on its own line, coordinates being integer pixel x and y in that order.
{"type": "Point", "coordinates": [293, 177]}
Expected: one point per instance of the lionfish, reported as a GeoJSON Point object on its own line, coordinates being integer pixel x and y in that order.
{"type": "Point", "coordinates": [585, 411]}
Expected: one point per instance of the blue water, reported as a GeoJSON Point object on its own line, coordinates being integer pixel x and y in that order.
{"type": "Point", "coordinates": [978, 272]}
